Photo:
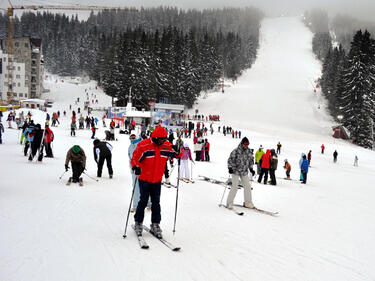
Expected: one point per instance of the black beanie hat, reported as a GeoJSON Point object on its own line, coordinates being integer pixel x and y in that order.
{"type": "Point", "coordinates": [96, 141]}
{"type": "Point", "coordinates": [245, 140]}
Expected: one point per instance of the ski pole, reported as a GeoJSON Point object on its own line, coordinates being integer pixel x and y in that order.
{"type": "Point", "coordinates": [131, 200]}
{"type": "Point", "coordinates": [222, 197]}
{"type": "Point", "coordinates": [90, 177]}
{"type": "Point", "coordinates": [175, 212]}
{"type": "Point", "coordinates": [62, 175]}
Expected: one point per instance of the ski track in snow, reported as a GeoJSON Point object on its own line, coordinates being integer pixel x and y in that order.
{"type": "Point", "coordinates": [324, 230]}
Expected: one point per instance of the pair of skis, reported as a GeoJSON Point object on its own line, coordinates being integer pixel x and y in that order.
{"type": "Point", "coordinates": [143, 244]}
{"type": "Point", "coordinates": [80, 182]}
{"type": "Point", "coordinates": [273, 214]}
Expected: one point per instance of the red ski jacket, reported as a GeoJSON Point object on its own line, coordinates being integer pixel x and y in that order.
{"type": "Point", "coordinates": [151, 158]}
{"type": "Point", "coordinates": [48, 135]}
{"type": "Point", "coordinates": [266, 159]}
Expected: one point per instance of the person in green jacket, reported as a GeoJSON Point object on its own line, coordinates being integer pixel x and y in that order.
{"type": "Point", "coordinates": [258, 156]}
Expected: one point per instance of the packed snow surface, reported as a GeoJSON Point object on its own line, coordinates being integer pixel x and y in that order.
{"type": "Point", "coordinates": [324, 230]}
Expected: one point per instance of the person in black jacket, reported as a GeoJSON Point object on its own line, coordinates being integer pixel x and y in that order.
{"type": "Point", "coordinates": [103, 151]}
{"type": "Point", "coordinates": [37, 141]}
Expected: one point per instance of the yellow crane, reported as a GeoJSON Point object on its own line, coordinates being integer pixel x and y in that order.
{"type": "Point", "coordinates": [11, 10]}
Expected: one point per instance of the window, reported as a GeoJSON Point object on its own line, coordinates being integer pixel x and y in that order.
{"type": "Point", "coordinates": [20, 95]}
{"type": "Point", "coordinates": [16, 44]}
{"type": "Point", "coordinates": [6, 84]}
{"type": "Point", "coordinates": [19, 84]}
{"type": "Point", "coordinates": [26, 45]}
{"type": "Point", "coordinates": [19, 68]}
{"type": "Point", "coordinates": [18, 76]}
{"type": "Point", "coordinates": [14, 94]}
{"type": "Point", "coordinates": [5, 59]}
{"type": "Point", "coordinates": [25, 95]}
{"type": "Point", "coordinates": [6, 75]}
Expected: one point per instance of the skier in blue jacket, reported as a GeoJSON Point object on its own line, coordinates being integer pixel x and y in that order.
{"type": "Point", "coordinates": [304, 168]}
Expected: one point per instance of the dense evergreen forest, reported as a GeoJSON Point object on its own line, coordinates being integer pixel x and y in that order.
{"type": "Point", "coordinates": [348, 75]}
{"type": "Point", "coordinates": [160, 54]}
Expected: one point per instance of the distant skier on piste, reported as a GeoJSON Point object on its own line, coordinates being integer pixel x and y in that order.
{"type": "Point", "coordinates": [76, 155]}
{"type": "Point", "coordinates": [148, 162]}
{"type": "Point", "coordinates": [36, 141]}
{"type": "Point", "coordinates": [265, 164]}
{"type": "Point", "coordinates": [240, 162]}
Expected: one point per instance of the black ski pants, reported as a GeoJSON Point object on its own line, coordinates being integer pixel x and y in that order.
{"type": "Point", "coordinates": [272, 176]}
{"type": "Point", "coordinates": [77, 170]}
{"type": "Point", "coordinates": [263, 171]}
{"type": "Point", "coordinates": [148, 189]}
{"type": "Point", "coordinates": [198, 155]}
{"type": "Point", "coordinates": [207, 155]}
{"type": "Point", "coordinates": [48, 149]}
{"type": "Point", "coordinates": [103, 158]}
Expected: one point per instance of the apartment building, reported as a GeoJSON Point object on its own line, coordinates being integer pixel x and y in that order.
{"type": "Point", "coordinates": [27, 68]}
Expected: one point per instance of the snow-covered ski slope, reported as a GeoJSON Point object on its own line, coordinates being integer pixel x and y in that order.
{"type": "Point", "coordinates": [324, 230]}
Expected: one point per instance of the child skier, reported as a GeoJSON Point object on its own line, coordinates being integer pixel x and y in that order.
{"type": "Point", "coordinates": [287, 168]}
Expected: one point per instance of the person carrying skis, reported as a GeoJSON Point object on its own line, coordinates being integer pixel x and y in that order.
{"type": "Point", "coordinates": [335, 154]}
{"type": "Point", "coordinates": [287, 168]}
{"type": "Point", "coordinates": [240, 162]}
{"type": "Point", "coordinates": [36, 141]}
{"type": "Point", "coordinates": [322, 147]}
{"type": "Point", "coordinates": [1, 132]}
{"type": "Point", "coordinates": [258, 156]}
{"type": "Point", "coordinates": [265, 164]}
{"type": "Point", "coordinates": [133, 145]}
{"type": "Point", "coordinates": [103, 152]}
{"type": "Point", "coordinates": [76, 155]}
{"type": "Point", "coordinates": [148, 162]}
{"type": "Point", "coordinates": [273, 167]}
{"type": "Point", "coordinates": [304, 168]}
{"type": "Point", "coordinates": [48, 138]}
{"type": "Point", "coordinates": [184, 166]}
{"type": "Point", "coordinates": [279, 148]}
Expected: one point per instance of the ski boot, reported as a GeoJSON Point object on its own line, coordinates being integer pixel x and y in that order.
{"type": "Point", "coordinates": [80, 182]}
{"type": "Point", "coordinates": [138, 227]}
{"type": "Point", "coordinates": [248, 205]}
{"type": "Point", "coordinates": [69, 181]}
{"type": "Point", "coordinates": [110, 176]}
{"type": "Point", "coordinates": [156, 230]}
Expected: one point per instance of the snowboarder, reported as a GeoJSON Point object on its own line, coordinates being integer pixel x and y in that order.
{"type": "Point", "coordinates": [356, 160]}
{"type": "Point", "coordinates": [304, 168]}
{"type": "Point", "coordinates": [103, 152]}
{"type": "Point", "coordinates": [184, 166]}
{"type": "Point", "coordinates": [265, 164]}
{"type": "Point", "coordinates": [258, 156]}
{"type": "Point", "coordinates": [148, 162]}
{"type": "Point", "coordinates": [287, 168]}
{"type": "Point", "coordinates": [1, 132]}
{"type": "Point", "coordinates": [335, 154]}
{"type": "Point", "coordinates": [279, 148]}
{"type": "Point", "coordinates": [133, 145]}
{"type": "Point", "coordinates": [322, 147]}
{"type": "Point", "coordinates": [240, 162]}
{"type": "Point", "coordinates": [76, 155]}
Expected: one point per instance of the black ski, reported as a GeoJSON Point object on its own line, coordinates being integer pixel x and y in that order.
{"type": "Point", "coordinates": [169, 185]}
{"type": "Point", "coordinates": [259, 210]}
{"type": "Point", "coordinates": [228, 183]}
{"type": "Point", "coordinates": [234, 210]}
{"type": "Point", "coordinates": [142, 242]}
{"type": "Point", "coordinates": [162, 240]}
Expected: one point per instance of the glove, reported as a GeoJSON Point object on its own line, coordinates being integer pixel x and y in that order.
{"type": "Point", "coordinates": [230, 170]}
{"type": "Point", "coordinates": [66, 168]}
{"type": "Point", "coordinates": [137, 170]}
{"type": "Point", "coordinates": [252, 171]}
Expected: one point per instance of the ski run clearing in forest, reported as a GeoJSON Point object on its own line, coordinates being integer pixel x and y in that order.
{"type": "Point", "coordinates": [324, 230]}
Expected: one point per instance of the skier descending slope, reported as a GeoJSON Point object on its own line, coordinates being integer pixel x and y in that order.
{"type": "Point", "coordinates": [240, 162]}
{"type": "Point", "coordinates": [148, 162]}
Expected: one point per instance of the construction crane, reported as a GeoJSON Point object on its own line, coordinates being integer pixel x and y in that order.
{"type": "Point", "coordinates": [11, 10]}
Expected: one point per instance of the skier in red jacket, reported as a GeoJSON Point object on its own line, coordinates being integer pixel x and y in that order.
{"type": "Point", "coordinates": [48, 138]}
{"type": "Point", "coordinates": [148, 162]}
{"type": "Point", "coordinates": [265, 164]}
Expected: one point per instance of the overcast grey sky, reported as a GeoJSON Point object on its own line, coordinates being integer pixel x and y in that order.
{"type": "Point", "coordinates": [361, 9]}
